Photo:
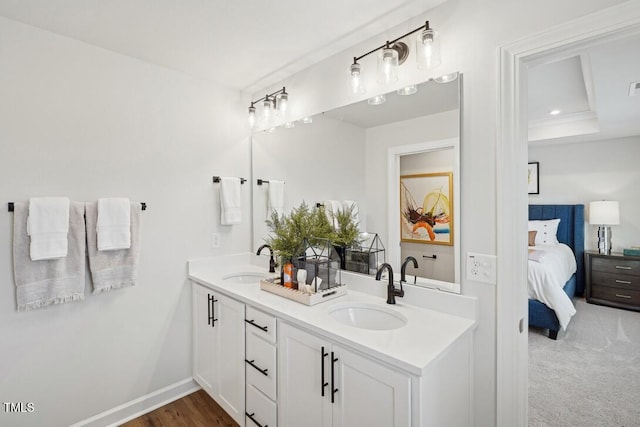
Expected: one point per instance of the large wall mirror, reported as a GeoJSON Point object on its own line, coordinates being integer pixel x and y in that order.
{"type": "Point", "coordinates": [399, 160]}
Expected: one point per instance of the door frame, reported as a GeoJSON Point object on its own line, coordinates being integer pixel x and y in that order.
{"type": "Point", "coordinates": [512, 199]}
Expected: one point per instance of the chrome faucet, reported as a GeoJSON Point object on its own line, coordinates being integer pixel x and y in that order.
{"type": "Point", "coordinates": [272, 262]}
{"type": "Point", "coordinates": [404, 268]}
{"type": "Point", "coordinates": [392, 292]}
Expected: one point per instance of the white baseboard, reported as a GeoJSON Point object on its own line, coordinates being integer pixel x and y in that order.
{"type": "Point", "coordinates": [140, 406]}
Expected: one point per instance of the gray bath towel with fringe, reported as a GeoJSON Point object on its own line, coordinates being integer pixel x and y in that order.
{"type": "Point", "coordinates": [112, 269]}
{"type": "Point", "coordinates": [53, 281]}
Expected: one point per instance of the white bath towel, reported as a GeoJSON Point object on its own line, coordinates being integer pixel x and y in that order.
{"type": "Point", "coordinates": [352, 205]}
{"type": "Point", "coordinates": [331, 208]}
{"type": "Point", "coordinates": [114, 224]}
{"type": "Point", "coordinates": [276, 198]}
{"type": "Point", "coordinates": [48, 225]}
{"type": "Point", "coordinates": [230, 201]}
{"type": "Point", "coordinates": [53, 281]}
{"type": "Point", "coordinates": [112, 269]}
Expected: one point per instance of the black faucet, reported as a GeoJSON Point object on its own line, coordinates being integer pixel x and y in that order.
{"type": "Point", "coordinates": [404, 267]}
{"type": "Point", "coordinates": [272, 262]}
{"type": "Point", "coordinates": [392, 292]}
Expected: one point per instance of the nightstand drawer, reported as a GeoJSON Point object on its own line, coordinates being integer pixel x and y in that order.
{"type": "Point", "coordinates": [615, 265]}
{"type": "Point", "coordinates": [621, 281]}
{"type": "Point", "coordinates": [622, 296]}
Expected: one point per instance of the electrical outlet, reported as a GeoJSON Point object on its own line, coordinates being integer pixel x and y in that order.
{"type": "Point", "coordinates": [481, 268]}
{"type": "Point", "coordinates": [215, 240]}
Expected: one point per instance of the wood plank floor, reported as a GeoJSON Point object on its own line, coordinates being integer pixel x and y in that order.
{"type": "Point", "coordinates": [194, 410]}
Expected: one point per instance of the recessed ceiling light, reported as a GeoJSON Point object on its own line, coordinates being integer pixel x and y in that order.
{"type": "Point", "coordinates": [555, 112]}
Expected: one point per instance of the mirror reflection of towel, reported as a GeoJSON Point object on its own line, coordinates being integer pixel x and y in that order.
{"type": "Point", "coordinates": [276, 198]}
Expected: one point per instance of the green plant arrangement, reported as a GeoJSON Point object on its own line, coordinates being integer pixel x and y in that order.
{"type": "Point", "coordinates": [289, 232]}
{"type": "Point", "coordinates": [346, 232]}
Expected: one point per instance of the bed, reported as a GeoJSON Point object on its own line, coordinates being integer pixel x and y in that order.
{"type": "Point", "coordinates": [571, 233]}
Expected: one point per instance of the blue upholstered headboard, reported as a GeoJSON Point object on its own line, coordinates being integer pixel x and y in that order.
{"type": "Point", "coordinates": [570, 231]}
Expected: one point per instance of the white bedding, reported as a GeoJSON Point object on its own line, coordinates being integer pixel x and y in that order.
{"type": "Point", "coordinates": [550, 266]}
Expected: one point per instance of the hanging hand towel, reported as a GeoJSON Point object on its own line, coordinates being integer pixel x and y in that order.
{"type": "Point", "coordinates": [53, 281]}
{"type": "Point", "coordinates": [114, 224]}
{"type": "Point", "coordinates": [48, 225]}
{"type": "Point", "coordinates": [276, 198]}
{"type": "Point", "coordinates": [230, 201]}
{"type": "Point", "coordinates": [117, 268]}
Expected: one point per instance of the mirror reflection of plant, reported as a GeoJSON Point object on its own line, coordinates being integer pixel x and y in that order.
{"type": "Point", "coordinates": [346, 232]}
{"type": "Point", "coordinates": [289, 232]}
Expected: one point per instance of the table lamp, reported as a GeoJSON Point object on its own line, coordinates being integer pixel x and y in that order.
{"type": "Point", "coordinates": [603, 214]}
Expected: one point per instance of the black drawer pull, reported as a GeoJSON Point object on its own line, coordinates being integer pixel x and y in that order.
{"type": "Point", "coordinates": [211, 319]}
{"type": "Point", "coordinates": [262, 371]}
{"type": "Point", "coordinates": [624, 282]}
{"type": "Point", "coordinates": [334, 390]}
{"type": "Point", "coordinates": [253, 323]}
{"type": "Point", "coordinates": [250, 415]}
{"type": "Point", "coordinates": [623, 267]}
{"type": "Point", "coordinates": [624, 296]}
{"type": "Point", "coordinates": [324, 384]}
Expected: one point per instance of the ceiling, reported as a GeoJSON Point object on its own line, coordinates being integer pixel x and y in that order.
{"type": "Point", "coordinates": [591, 90]}
{"type": "Point", "coordinates": [246, 45]}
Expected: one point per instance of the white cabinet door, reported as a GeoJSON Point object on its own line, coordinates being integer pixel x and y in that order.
{"type": "Point", "coordinates": [357, 391]}
{"type": "Point", "coordinates": [218, 349]}
{"type": "Point", "coordinates": [229, 355]}
{"type": "Point", "coordinates": [300, 381]}
{"type": "Point", "coordinates": [369, 394]}
{"type": "Point", "coordinates": [205, 370]}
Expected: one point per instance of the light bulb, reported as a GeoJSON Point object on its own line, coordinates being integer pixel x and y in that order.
{"type": "Point", "coordinates": [355, 82]}
{"type": "Point", "coordinates": [428, 48]}
{"type": "Point", "coordinates": [283, 101]}
{"type": "Point", "coordinates": [267, 111]}
{"type": "Point", "coordinates": [252, 116]}
{"type": "Point", "coordinates": [387, 65]}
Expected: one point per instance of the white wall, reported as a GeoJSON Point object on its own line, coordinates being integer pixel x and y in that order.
{"type": "Point", "coordinates": [84, 122]}
{"type": "Point", "coordinates": [598, 170]}
{"type": "Point", "coordinates": [472, 33]}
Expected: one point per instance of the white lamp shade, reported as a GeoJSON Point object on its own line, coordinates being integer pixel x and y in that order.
{"type": "Point", "coordinates": [604, 213]}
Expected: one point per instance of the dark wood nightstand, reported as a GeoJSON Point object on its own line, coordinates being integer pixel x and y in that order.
{"type": "Point", "coordinates": [613, 280]}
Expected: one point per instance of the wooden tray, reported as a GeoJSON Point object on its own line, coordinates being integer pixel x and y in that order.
{"type": "Point", "coordinates": [303, 297]}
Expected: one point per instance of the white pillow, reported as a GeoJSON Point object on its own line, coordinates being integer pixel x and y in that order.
{"type": "Point", "coordinates": [547, 231]}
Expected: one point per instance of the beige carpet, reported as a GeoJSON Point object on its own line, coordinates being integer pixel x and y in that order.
{"type": "Point", "coordinates": [590, 376]}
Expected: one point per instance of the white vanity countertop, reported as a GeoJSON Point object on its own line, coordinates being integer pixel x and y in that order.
{"type": "Point", "coordinates": [426, 336]}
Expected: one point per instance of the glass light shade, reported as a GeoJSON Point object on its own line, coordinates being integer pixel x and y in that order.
{"type": "Point", "coordinates": [428, 49]}
{"type": "Point", "coordinates": [283, 101]}
{"type": "Point", "coordinates": [252, 117]}
{"type": "Point", "coordinates": [377, 100]}
{"type": "Point", "coordinates": [408, 90]}
{"type": "Point", "coordinates": [604, 213]}
{"type": "Point", "coordinates": [355, 81]}
{"type": "Point", "coordinates": [387, 65]}
{"type": "Point", "coordinates": [267, 111]}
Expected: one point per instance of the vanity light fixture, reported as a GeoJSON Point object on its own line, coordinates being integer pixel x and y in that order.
{"type": "Point", "coordinates": [273, 103]}
{"type": "Point", "coordinates": [393, 53]}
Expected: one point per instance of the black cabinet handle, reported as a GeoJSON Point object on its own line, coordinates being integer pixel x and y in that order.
{"type": "Point", "coordinates": [322, 356]}
{"type": "Point", "coordinates": [250, 415]}
{"type": "Point", "coordinates": [253, 323]}
{"type": "Point", "coordinates": [209, 298]}
{"type": "Point", "coordinates": [333, 389]}
{"type": "Point", "coordinates": [212, 310]}
{"type": "Point", "coordinates": [262, 371]}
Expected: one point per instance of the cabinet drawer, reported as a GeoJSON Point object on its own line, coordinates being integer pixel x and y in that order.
{"type": "Point", "coordinates": [261, 324]}
{"type": "Point", "coordinates": [621, 281]}
{"type": "Point", "coordinates": [260, 411]}
{"type": "Point", "coordinates": [261, 365]}
{"type": "Point", "coordinates": [615, 265]}
{"type": "Point", "coordinates": [622, 296]}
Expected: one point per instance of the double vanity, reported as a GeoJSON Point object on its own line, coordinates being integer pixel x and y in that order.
{"type": "Point", "coordinates": [352, 361]}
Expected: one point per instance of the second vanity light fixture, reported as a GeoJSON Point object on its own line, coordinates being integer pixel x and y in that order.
{"type": "Point", "coordinates": [273, 103]}
{"type": "Point", "coordinates": [394, 53]}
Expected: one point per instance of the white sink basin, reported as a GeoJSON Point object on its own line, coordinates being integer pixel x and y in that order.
{"type": "Point", "coordinates": [244, 277]}
{"type": "Point", "coordinates": [367, 316]}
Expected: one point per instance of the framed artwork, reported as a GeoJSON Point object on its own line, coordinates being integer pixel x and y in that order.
{"type": "Point", "coordinates": [533, 178]}
{"type": "Point", "coordinates": [426, 210]}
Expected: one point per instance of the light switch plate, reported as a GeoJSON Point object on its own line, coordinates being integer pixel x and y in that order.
{"type": "Point", "coordinates": [481, 268]}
